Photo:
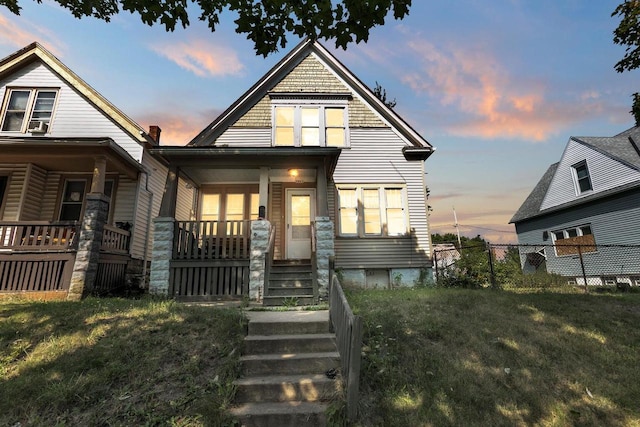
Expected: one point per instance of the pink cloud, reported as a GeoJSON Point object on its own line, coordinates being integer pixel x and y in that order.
{"type": "Point", "coordinates": [203, 58]}
{"type": "Point", "coordinates": [18, 35]}
{"type": "Point", "coordinates": [177, 129]}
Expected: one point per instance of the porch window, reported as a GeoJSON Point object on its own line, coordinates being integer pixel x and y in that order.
{"type": "Point", "coordinates": [73, 197]}
{"type": "Point", "coordinates": [372, 211]}
{"type": "Point", "coordinates": [234, 203]}
{"type": "Point", "coordinates": [28, 110]}
{"type": "Point", "coordinates": [310, 125]}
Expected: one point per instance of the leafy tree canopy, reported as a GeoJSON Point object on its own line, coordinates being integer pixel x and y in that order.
{"type": "Point", "coordinates": [381, 93]}
{"type": "Point", "coordinates": [265, 22]}
{"type": "Point", "coordinates": [628, 34]}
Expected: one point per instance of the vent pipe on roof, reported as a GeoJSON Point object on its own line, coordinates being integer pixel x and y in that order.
{"type": "Point", "coordinates": [154, 133]}
{"type": "Point", "coordinates": [635, 146]}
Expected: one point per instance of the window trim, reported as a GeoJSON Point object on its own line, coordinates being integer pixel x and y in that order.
{"type": "Point", "coordinates": [382, 206]}
{"type": "Point", "coordinates": [29, 109]}
{"type": "Point", "coordinates": [87, 190]}
{"type": "Point", "coordinates": [579, 230]}
{"type": "Point", "coordinates": [577, 179]}
{"type": "Point", "coordinates": [246, 189]}
{"type": "Point", "coordinates": [322, 105]}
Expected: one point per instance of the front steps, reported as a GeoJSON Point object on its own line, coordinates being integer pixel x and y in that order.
{"type": "Point", "coordinates": [290, 281]}
{"type": "Point", "coordinates": [289, 370]}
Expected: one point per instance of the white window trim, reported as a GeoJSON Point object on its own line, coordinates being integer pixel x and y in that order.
{"type": "Point", "coordinates": [576, 182]}
{"type": "Point", "coordinates": [382, 206]}
{"type": "Point", "coordinates": [565, 233]}
{"type": "Point", "coordinates": [298, 104]}
{"type": "Point", "coordinates": [33, 92]}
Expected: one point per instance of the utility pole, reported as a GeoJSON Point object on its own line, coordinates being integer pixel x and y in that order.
{"type": "Point", "coordinates": [455, 219]}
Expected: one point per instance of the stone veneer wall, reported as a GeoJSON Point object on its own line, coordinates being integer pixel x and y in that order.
{"type": "Point", "coordinates": [161, 254]}
{"type": "Point", "coordinates": [324, 250]}
{"type": "Point", "coordinates": [89, 241]}
{"type": "Point", "coordinates": [260, 230]}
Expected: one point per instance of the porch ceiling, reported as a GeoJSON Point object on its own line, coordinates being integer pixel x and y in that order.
{"type": "Point", "coordinates": [68, 154]}
{"type": "Point", "coordinates": [213, 164]}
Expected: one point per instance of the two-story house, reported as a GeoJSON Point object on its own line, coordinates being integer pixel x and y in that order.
{"type": "Point", "coordinates": [586, 206]}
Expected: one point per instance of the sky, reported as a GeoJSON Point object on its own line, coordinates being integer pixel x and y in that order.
{"type": "Point", "coordinates": [497, 87]}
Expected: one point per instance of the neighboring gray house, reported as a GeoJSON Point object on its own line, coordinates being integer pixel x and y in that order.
{"type": "Point", "coordinates": [590, 198]}
{"type": "Point", "coordinates": [78, 187]}
{"type": "Point", "coordinates": [332, 169]}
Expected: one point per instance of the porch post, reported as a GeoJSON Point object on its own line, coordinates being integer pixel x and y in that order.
{"type": "Point", "coordinates": [99, 172]}
{"type": "Point", "coordinates": [322, 205]}
{"type": "Point", "coordinates": [89, 241]}
{"type": "Point", "coordinates": [170, 196]}
{"type": "Point", "coordinates": [264, 189]}
{"type": "Point", "coordinates": [161, 255]}
{"type": "Point", "coordinates": [259, 245]}
{"type": "Point", "coordinates": [324, 251]}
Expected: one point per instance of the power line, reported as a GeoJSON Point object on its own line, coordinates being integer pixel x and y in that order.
{"type": "Point", "coordinates": [485, 228]}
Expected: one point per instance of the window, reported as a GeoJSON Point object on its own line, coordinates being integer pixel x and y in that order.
{"type": "Point", "coordinates": [310, 125]}
{"type": "Point", "coordinates": [568, 233]}
{"type": "Point", "coordinates": [581, 177]}
{"type": "Point", "coordinates": [231, 203]}
{"type": "Point", "coordinates": [73, 196]}
{"type": "Point", "coordinates": [572, 240]}
{"type": "Point", "coordinates": [28, 110]}
{"type": "Point", "coordinates": [372, 211]}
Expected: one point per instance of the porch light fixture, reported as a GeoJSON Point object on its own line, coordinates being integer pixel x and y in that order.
{"type": "Point", "coordinates": [294, 172]}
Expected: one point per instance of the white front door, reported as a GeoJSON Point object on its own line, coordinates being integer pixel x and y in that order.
{"type": "Point", "coordinates": [300, 212]}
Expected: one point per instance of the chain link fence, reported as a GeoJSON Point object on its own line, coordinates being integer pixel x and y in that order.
{"type": "Point", "coordinates": [587, 265]}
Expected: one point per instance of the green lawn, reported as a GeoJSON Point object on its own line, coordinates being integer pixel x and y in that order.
{"type": "Point", "coordinates": [490, 358]}
{"type": "Point", "coordinates": [116, 362]}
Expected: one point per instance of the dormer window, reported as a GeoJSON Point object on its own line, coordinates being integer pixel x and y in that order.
{"type": "Point", "coordinates": [28, 110]}
{"type": "Point", "coordinates": [310, 123]}
{"type": "Point", "coordinates": [581, 177]}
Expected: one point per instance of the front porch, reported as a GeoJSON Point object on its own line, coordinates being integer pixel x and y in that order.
{"type": "Point", "coordinates": [254, 207]}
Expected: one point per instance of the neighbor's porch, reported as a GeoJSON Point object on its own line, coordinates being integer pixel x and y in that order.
{"type": "Point", "coordinates": [252, 207]}
{"type": "Point", "coordinates": [57, 206]}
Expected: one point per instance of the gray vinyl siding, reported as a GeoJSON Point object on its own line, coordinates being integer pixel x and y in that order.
{"type": "Point", "coordinates": [74, 116]}
{"type": "Point", "coordinates": [13, 200]}
{"type": "Point", "coordinates": [614, 220]}
{"type": "Point", "coordinates": [605, 172]}
{"type": "Point", "coordinates": [245, 137]}
{"type": "Point", "coordinates": [375, 157]}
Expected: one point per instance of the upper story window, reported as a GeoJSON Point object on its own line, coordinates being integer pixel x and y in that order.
{"type": "Point", "coordinates": [28, 110]}
{"type": "Point", "coordinates": [581, 177]}
{"type": "Point", "coordinates": [310, 125]}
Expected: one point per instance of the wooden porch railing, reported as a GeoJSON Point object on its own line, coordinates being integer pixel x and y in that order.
{"type": "Point", "coordinates": [348, 330]}
{"type": "Point", "coordinates": [37, 256]}
{"type": "Point", "coordinates": [113, 260]}
{"type": "Point", "coordinates": [115, 240]}
{"type": "Point", "coordinates": [314, 264]}
{"type": "Point", "coordinates": [38, 236]}
{"type": "Point", "coordinates": [210, 259]}
{"type": "Point", "coordinates": [268, 258]}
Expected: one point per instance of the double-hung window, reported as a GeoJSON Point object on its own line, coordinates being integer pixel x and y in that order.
{"type": "Point", "coordinates": [372, 210]}
{"type": "Point", "coordinates": [233, 204]}
{"type": "Point", "coordinates": [309, 125]}
{"type": "Point", "coordinates": [28, 110]}
{"type": "Point", "coordinates": [581, 177]}
{"type": "Point", "coordinates": [568, 240]}
{"type": "Point", "coordinates": [73, 198]}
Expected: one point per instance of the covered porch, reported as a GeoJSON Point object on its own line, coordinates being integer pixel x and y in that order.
{"type": "Point", "coordinates": [58, 237]}
{"type": "Point", "coordinates": [253, 207]}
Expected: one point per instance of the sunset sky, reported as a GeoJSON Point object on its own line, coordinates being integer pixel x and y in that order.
{"type": "Point", "coordinates": [497, 87]}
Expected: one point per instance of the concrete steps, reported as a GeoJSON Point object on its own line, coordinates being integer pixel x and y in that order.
{"type": "Point", "coordinates": [291, 281]}
{"type": "Point", "coordinates": [289, 365]}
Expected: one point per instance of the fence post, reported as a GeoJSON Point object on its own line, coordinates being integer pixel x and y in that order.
{"type": "Point", "coordinates": [435, 263]}
{"type": "Point", "coordinates": [493, 275]}
{"type": "Point", "coordinates": [353, 382]}
{"type": "Point", "coordinates": [584, 275]}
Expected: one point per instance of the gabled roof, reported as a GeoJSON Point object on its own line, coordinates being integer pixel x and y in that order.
{"type": "Point", "coordinates": [36, 52]}
{"type": "Point", "coordinates": [280, 70]}
{"type": "Point", "coordinates": [622, 148]}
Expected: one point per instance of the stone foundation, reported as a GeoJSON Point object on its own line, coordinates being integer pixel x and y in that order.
{"type": "Point", "coordinates": [385, 278]}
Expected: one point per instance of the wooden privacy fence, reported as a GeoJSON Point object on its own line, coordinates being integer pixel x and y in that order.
{"type": "Point", "coordinates": [348, 330]}
{"type": "Point", "coordinates": [210, 259]}
{"type": "Point", "coordinates": [113, 260]}
{"type": "Point", "coordinates": [36, 256]}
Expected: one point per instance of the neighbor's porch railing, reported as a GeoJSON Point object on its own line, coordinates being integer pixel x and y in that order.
{"type": "Point", "coordinates": [37, 256]}
{"type": "Point", "coordinates": [348, 330]}
{"type": "Point", "coordinates": [210, 259]}
{"type": "Point", "coordinates": [113, 260]}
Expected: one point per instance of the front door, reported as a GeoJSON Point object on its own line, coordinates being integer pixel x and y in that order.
{"type": "Point", "coordinates": [300, 212]}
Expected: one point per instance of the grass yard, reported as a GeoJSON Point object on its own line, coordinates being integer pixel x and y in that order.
{"type": "Point", "coordinates": [499, 358]}
{"type": "Point", "coordinates": [116, 362]}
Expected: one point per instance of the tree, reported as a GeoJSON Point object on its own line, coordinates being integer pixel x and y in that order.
{"type": "Point", "coordinates": [381, 93]}
{"type": "Point", "coordinates": [628, 34]}
{"type": "Point", "coordinates": [264, 22]}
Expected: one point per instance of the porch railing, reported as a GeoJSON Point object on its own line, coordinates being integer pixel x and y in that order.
{"type": "Point", "coordinates": [113, 260]}
{"type": "Point", "coordinates": [314, 263]}
{"type": "Point", "coordinates": [348, 330]}
{"type": "Point", "coordinates": [115, 240]}
{"type": "Point", "coordinates": [210, 259]}
{"type": "Point", "coordinates": [36, 256]}
{"type": "Point", "coordinates": [38, 236]}
{"type": "Point", "coordinates": [268, 259]}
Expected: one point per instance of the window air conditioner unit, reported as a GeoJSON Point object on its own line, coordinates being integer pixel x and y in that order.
{"type": "Point", "coordinates": [37, 126]}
